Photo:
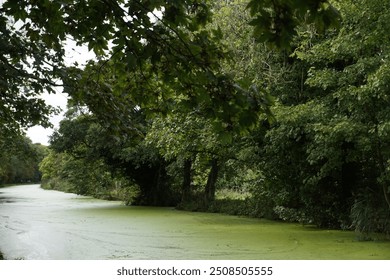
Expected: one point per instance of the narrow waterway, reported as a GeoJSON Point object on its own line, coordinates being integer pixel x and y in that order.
{"type": "Point", "coordinates": [41, 224]}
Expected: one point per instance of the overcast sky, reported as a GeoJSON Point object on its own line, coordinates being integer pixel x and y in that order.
{"type": "Point", "coordinates": [38, 134]}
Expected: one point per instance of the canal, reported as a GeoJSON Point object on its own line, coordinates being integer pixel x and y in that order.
{"type": "Point", "coordinates": [50, 225]}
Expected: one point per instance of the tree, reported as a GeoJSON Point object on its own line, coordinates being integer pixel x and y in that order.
{"type": "Point", "coordinates": [276, 22]}
{"type": "Point", "coordinates": [28, 64]}
{"type": "Point", "coordinates": [19, 160]}
{"type": "Point", "coordinates": [326, 154]}
{"type": "Point", "coordinates": [184, 139]}
{"type": "Point", "coordinates": [352, 67]}
{"type": "Point", "coordinates": [91, 149]}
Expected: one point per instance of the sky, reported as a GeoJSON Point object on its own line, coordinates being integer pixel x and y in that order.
{"type": "Point", "coordinates": [38, 134]}
{"type": "Point", "coordinates": [73, 53]}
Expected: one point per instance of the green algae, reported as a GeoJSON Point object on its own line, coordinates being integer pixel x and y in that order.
{"type": "Point", "coordinates": [43, 224]}
{"type": "Point", "coordinates": [217, 236]}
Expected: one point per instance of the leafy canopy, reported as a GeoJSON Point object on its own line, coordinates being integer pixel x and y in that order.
{"type": "Point", "coordinates": [164, 43]}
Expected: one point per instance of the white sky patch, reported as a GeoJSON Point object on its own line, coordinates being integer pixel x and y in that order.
{"type": "Point", "coordinates": [79, 54]}
{"type": "Point", "coordinates": [156, 15]}
{"type": "Point", "coordinates": [38, 134]}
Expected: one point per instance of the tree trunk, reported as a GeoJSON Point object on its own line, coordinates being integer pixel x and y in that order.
{"type": "Point", "coordinates": [186, 186]}
{"type": "Point", "coordinates": [160, 191]}
{"type": "Point", "coordinates": [211, 182]}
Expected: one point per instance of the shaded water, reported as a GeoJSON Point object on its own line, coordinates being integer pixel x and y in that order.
{"type": "Point", "coordinates": [41, 224]}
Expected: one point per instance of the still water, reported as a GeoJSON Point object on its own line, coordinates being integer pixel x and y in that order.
{"type": "Point", "coordinates": [42, 224]}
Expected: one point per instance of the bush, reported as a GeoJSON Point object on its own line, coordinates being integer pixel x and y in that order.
{"type": "Point", "coordinates": [231, 203]}
{"type": "Point", "coordinates": [230, 206]}
{"type": "Point", "coordinates": [370, 216]}
{"type": "Point", "coordinates": [58, 184]}
{"type": "Point", "coordinates": [291, 215]}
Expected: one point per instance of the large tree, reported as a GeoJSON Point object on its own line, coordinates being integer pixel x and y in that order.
{"type": "Point", "coordinates": [327, 153]}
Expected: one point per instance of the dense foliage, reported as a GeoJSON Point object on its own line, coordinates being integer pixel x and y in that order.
{"type": "Point", "coordinates": [274, 109]}
{"type": "Point", "coordinates": [19, 160]}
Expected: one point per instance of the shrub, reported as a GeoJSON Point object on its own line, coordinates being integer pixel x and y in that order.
{"type": "Point", "coordinates": [370, 216]}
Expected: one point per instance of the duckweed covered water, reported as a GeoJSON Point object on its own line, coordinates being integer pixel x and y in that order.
{"type": "Point", "coordinates": [40, 224]}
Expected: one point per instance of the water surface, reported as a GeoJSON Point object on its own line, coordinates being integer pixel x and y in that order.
{"type": "Point", "coordinates": [42, 224]}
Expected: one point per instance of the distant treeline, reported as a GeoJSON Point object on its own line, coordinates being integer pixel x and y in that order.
{"type": "Point", "coordinates": [19, 160]}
